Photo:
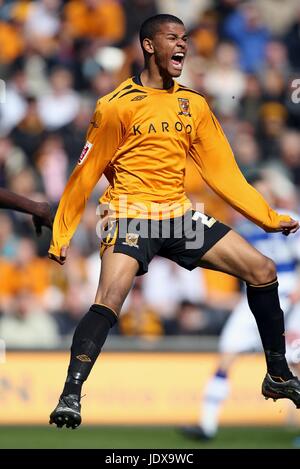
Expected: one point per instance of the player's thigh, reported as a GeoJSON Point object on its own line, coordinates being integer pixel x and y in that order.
{"type": "Point", "coordinates": [233, 255]}
{"type": "Point", "coordinates": [117, 274]}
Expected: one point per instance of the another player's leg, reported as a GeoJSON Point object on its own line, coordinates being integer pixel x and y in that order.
{"type": "Point", "coordinates": [233, 255]}
{"type": "Point", "coordinates": [215, 393]}
{"type": "Point", "coordinates": [238, 335]}
{"type": "Point", "coordinates": [117, 274]}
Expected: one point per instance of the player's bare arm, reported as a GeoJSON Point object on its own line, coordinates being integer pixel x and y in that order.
{"type": "Point", "coordinates": [40, 211]}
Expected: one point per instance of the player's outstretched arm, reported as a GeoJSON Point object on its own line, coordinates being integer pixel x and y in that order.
{"type": "Point", "coordinates": [103, 138]}
{"type": "Point", "coordinates": [40, 211]}
{"type": "Point", "coordinates": [216, 163]}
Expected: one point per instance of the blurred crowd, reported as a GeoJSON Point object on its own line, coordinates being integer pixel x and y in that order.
{"type": "Point", "coordinates": [56, 59]}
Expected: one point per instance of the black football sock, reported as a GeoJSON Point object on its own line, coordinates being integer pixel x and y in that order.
{"type": "Point", "coordinates": [88, 339]}
{"type": "Point", "coordinates": [264, 303]}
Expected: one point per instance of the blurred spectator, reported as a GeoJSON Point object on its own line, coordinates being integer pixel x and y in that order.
{"type": "Point", "coordinates": [225, 82]}
{"type": "Point", "coordinates": [191, 319]}
{"type": "Point", "coordinates": [6, 288]}
{"type": "Point", "coordinates": [134, 59]}
{"type": "Point", "coordinates": [277, 15]}
{"type": "Point", "coordinates": [137, 11]}
{"type": "Point", "coordinates": [61, 97]}
{"type": "Point", "coordinates": [8, 241]}
{"type": "Point", "coordinates": [12, 160]}
{"type": "Point", "coordinates": [85, 238]}
{"type": "Point", "coordinates": [251, 100]}
{"type": "Point", "coordinates": [68, 316]}
{"type": "Point", "coordinates": [11, 42]}
{"type": "Point", "coordinates": [246, 28]}
{"type": "Point", "coordinates": [276, 58]}
{"type": "Point", "coordinates": [246, 152]}
{"type": "Point", "coordinates": [27, 325]}
{"type": "Point", "coordinates": [102, 83]}
{"type": "Point", "coordinates": [290, 153]}
{"type": "Point", "coordinates": [273, 86]}
{"type": "Point", "coordinates": [14, 108]}
{"type": "Point", "coordinates": [292, 41]}
{"type": "Point", "coordinates": [25, 182]}
{"type": "Point", "coordinates": [41, 26]}
{"type": "Point", "coordinates": [52, 165]}
{"type": "Point", "coordinates": [102, 19]}
{"type": "Point", "coordinates": [284, 191]}
{"type": "Point", "coordinates": [273, 117]}
{"type": "Point", "coordinates": [194, 73]}
{"type": "Point", "coordinates": [74, 134]}
{"type": "Point", "coordinates": [31, 272]}
{"type": "Point", "coordinates": [30, 132]}
{"type": "Point", "coordinates": [140, 319]}
{"type": "Point", "coordinates": [204, 34]}
{"type": "Point", "coordinates": [185, 284]}
{"type": "Point", "coordinates": [42, 21]}
{"type": "Point", "coordinates": [190, 12]}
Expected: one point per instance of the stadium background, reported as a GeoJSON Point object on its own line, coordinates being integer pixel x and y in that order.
{"type": "Point", "coordinates": [56, 58]}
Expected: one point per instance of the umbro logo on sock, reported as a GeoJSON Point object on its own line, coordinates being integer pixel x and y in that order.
{"type": "Point", "coordinates": [83, 358]}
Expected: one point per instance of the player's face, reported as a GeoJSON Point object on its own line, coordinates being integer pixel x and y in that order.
{"type": "Point", "coordinates": [170, 47]}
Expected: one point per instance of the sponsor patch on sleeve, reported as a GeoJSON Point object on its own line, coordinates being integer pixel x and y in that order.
{"type": "Point", "coordinates": [85, 152]}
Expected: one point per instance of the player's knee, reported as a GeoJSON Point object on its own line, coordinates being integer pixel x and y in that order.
{"type": "Point", "coordinates": [112, 298]}
{"type": "Point", "coordinates": [264, 271]}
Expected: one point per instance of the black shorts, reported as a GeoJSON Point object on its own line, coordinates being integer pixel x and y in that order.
{"type": "Point", "coordinates": [183, 240]}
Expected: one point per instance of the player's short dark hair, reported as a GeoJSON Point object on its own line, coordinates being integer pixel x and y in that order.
{"type": "Point", "coordinates": [151, 25]}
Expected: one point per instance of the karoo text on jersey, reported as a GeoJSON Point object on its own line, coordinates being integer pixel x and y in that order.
{"type": "Point", "coordinates": [164, 126]}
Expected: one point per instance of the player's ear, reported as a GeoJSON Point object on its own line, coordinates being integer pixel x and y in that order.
{"type": "Point", "coordinates": [148, 46]}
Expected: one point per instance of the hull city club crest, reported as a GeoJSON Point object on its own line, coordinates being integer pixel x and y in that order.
{"type": "Point", "coordinates": [184, 106]}
{"type": "Point", "coordinates": [131, 240]}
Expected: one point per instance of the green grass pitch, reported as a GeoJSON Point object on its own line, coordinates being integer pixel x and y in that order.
{"type": "Point", "coordinates": [110, 437]}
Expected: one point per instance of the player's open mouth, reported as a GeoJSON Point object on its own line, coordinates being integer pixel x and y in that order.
{"type": "Point", "coordinates": [177, 60]}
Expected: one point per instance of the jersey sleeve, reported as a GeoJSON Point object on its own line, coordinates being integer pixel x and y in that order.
{"type": "Point", "coordinates": [104, 136]}
{"type": "Point", "coordinates": [215, 161]}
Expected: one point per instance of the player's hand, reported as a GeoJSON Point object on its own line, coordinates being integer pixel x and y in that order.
{"type": "Point", "coordinates": [43, 218]}
{"type": "Point", "coordinates": [288, 227]}
{"type": "Point", "coordinates": [63, 255]}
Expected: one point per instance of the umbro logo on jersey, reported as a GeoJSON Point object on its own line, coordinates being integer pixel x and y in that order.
{"type": "Point", "coordinates": [139, 97]}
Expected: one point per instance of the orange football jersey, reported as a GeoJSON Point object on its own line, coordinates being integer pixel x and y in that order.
{"type": "Point", "coordinates": [139, 138]}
